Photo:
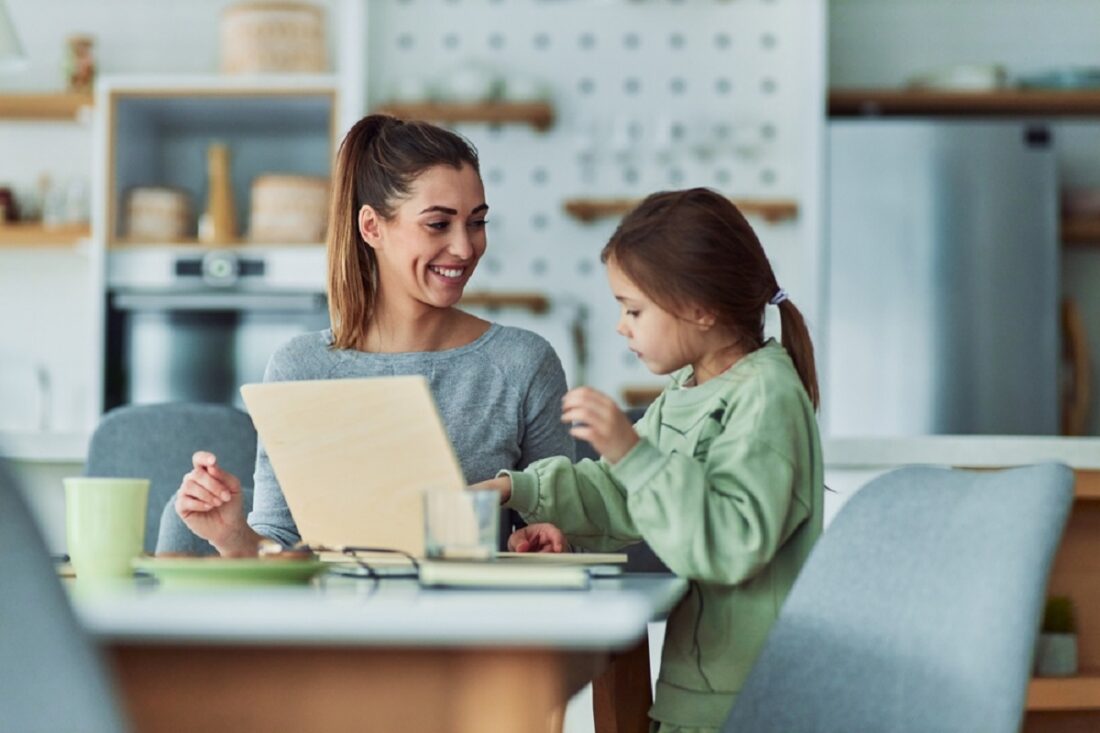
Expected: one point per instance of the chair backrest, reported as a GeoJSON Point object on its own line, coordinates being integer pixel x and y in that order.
{"type": "Point", "coordinates": [157, 442]}
{"type": "Point", "coordinates": [640, 558]}
{"type": "Point", "coordinates": [51, 675]}
{"type": "Point", "coordinates": [917, 610]}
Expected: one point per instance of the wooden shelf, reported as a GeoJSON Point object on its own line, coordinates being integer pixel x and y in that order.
{"type": "Point", "coordinates": [1081, 231]}
{"type": "Point", "coordinates": [1065, 693]}
{"type": "Point", "coordinates": [539, 115]}
{"type": "Point", "coordinates": [1086, 485]}
{"type": "Point", "coordinates": [641, 395]}
{"type": "Point", "coordinates": [591, 209]}
{"type": "Point", "coordinates": [534, 302]}
{"type": "Point", "coordinates": [35, 234]}
{"type": "Point", "coordinates": [59, 106]}
{"type": "Point", "coordinates": [242, 245]}
{"type": "Point", "coordinates": [1008, 102]}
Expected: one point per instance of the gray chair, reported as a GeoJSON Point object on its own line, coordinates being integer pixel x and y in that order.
{"type": "Point", "coordinates": [157, 442]}
{"type": "Point", "coordinates": [640, 558]}
{"type": "Point", "coordinates": [51, 675]}
{"type": "Point", "coordinates": [917, 610]}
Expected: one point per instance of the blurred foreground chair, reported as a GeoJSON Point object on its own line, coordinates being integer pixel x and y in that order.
{"type": "Point", "coordinates": [639, 558]}
{"type": "Point", "coordinates": [51, 675]}
{"type": "Point", "coordinates": [917, 610]}
{"type": "Point", "coordinates": [157, 442]}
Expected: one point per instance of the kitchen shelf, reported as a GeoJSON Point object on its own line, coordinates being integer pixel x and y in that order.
{"type": "Point", "coordinates": [157, 132]}
{"type": "Point", "coordinates": [1081, 692]}
{"type": "Point", "coordinates": [534, 302]}
{"type": "Point", "coordinates": [43, 106]}
{"type": "Point", "coordinates": [539, 115]}
{"type": "Point", "coordinates": [184, 245]}
{"type": "Point", "coordinates": [34, 234]}
{"type": "Point", "coordinates": [591, 209]}
{"type": "Point", "coordinates": [1081, 231]}
{"type": "Point", "coordinates": [1008, 102]}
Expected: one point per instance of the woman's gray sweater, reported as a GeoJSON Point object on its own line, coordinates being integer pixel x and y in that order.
{"type": "Point", "coordinates": [499, 397]}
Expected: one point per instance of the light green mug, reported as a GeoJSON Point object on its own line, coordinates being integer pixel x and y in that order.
{"type": "Point", "coordinates": [105, 525]}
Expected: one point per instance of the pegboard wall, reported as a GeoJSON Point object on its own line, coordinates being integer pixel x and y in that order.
{"type": "Point", "coordinates": [647, 95]}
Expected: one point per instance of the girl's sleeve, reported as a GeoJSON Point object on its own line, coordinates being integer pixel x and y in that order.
{"type": "Point", "coordinates": [543, 432]}
{"type": "Point", "coordinates": [583, 499]}
{"type": "Point", "coordinates": [719, 521]}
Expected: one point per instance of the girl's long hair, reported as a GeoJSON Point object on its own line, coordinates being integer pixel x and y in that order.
{"type": "Point", "coordinates": [378, 161]}
{"type": "Point", "coordinates": [694, 247]}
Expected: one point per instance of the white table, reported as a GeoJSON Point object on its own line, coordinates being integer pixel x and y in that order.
{"type": "Point", "coordinates": [353, 656]}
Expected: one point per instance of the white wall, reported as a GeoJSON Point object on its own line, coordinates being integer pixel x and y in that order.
{"type": "Point", "coordinates": [769, 55]}
{"type": "Point", "coordinates": [882, 43]}
{"type": "Point", "coordinates": [611, 67]}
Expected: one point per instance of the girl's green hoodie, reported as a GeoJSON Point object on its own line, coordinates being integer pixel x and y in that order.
{"type": "Point", "coordinates": [726, 486]}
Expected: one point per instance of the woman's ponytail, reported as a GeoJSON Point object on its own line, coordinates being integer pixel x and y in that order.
{"type": "Point", "coordinates": [351, 264]}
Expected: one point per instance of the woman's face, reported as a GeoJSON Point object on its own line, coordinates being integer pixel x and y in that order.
{"type": "Point", "coordinates": [429, 249]}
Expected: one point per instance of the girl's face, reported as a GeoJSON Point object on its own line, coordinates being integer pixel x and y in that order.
{"type": "Point", "coordinates": [663, 341]}
{"type": "Point", "coordinates": [428, 251]}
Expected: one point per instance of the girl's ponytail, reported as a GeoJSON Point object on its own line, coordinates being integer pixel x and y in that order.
{"type": "Point", "coordinates": [796, 340]}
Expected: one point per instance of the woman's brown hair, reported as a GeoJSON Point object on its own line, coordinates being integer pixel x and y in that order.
{"type": "Point", "coordinates": [376, 166]}
{"type": "Point", "coordinates": [694, 247]}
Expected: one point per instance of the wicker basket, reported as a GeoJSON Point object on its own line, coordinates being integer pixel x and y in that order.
{"type": "Point", "coordinates": [288, 208]}
{"type": "Point", "coordinates": [273, 37]}
{"type": "Point", "coordinates": [158, 214]}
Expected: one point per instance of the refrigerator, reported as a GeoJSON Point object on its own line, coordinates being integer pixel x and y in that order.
{"type": "Point", "coordinates": [942, 285]}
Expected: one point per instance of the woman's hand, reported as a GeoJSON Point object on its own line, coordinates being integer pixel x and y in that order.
{"type": "Point", "coordinates": [597, 419]}
{"type": "Point", "coordinates": [209, 503]}
{"type": "Point", "coordinates": [503, 484]}
{"type": "Point", "coordinates": [538, 538]}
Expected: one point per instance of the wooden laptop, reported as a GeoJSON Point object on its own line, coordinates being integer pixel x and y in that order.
{"type": "Point", "coordinates": [354, 456]}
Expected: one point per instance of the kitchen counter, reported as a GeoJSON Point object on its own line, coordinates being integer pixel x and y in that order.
{"type": "Point", "coordinates": [851, 463]}
{"type": "Point", "coordinates": [948, 450]}
{"type": "Point", "coordinates": [44, 447]}
{"type": "Point", "coordinates": [962, 450]}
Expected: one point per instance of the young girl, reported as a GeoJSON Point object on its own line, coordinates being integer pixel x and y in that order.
{"type": "Point", "coordinates": [723, 475]}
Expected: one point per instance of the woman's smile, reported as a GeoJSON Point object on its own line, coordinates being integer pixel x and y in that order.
{"type": "Point", "coordinates": [451, 274]}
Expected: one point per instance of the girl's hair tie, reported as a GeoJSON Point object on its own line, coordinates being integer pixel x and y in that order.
{"type": "Point", "coordinates": [779, 297]}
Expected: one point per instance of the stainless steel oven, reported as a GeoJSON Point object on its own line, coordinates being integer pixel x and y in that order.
{"type": "Point", "coordinates": [194, 326]}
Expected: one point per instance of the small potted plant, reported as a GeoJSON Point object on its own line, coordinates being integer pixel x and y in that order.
{"type": "Point", "coordinates": [1056, 650]}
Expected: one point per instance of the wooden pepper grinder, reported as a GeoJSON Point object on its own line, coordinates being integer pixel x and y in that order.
{"type": "Point", "coordinates": [218, 224]}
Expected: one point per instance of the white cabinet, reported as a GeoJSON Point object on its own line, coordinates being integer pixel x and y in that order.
{"type": "Point", "coordinates": [155, 131]}
{"type": "Point", "coordinates": [185, 321]}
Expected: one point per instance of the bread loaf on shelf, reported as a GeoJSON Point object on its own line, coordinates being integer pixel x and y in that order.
{"type": "Point", "coordinates": [158, 214]}
{"type": "Point", "coordinates": [281, 37]}
{"type": "Point", "coordinates": [288, 209]}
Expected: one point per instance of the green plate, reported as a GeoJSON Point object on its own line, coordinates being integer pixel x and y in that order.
{"type": "Point", "coordinates": [192, 572]}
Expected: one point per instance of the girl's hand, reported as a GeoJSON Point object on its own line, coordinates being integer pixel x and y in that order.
{"type": "Point", "coordinates": [597, 419]}
{"type": "Point", "coordinates": [538, 538]}
{"type": "Point", "coordinates": [503, 484]}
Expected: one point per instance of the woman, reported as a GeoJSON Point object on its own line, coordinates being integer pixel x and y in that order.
{"type": "Point", "coordinates": [406, 231]}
